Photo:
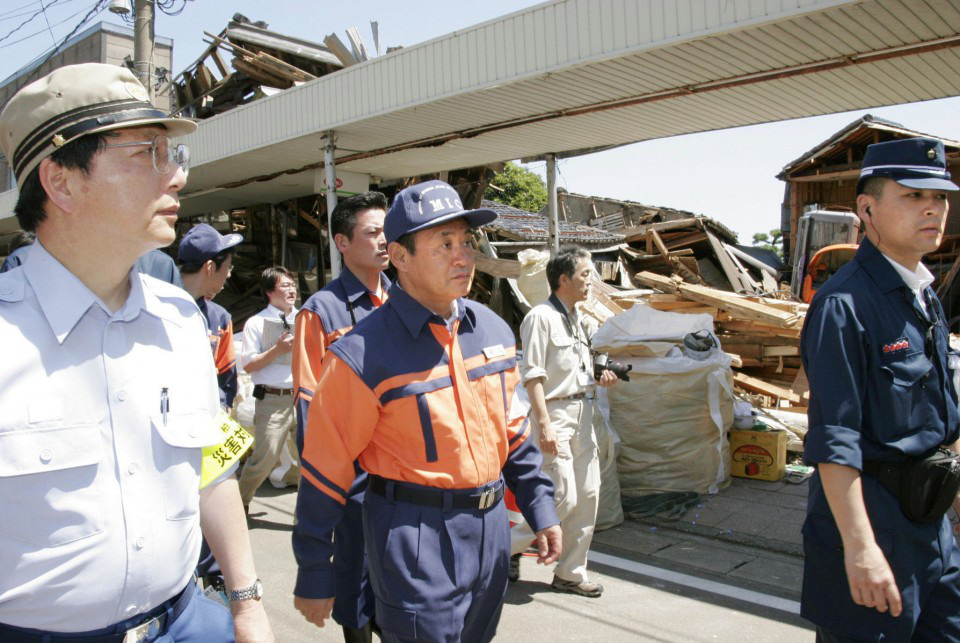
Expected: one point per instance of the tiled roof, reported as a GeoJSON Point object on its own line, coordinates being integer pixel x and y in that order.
{"type": "Point", "coordinates": [529, 226]}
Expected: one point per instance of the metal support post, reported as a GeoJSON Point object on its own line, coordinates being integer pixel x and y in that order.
{"type": "Point", "coordinates": [552, 202]}
{"type": "Point", "coordinates": [331, 176]}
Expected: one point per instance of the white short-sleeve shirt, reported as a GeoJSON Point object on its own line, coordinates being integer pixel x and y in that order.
{"type": "Point", "coordinates": [100, 488]}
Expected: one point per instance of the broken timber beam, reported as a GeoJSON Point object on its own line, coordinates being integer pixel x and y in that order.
{"type": "Point", "coordinates": [759, 386]}
{"type": "Point", "coordinates": [738, 306]}
{"type": "Point", "coordinates": [638, 232]}
{"type": "Point", "coordinates": [504, 268]}
{"type": "Point", "coordinates": [653, 280]}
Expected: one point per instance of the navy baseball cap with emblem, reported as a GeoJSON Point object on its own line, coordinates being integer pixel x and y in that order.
{"type": "Point", "coordinates": [912, 162]}
{"type": "Point", "coordinates": [202, 243]}
{"type": "Point", "coordinates": [428, 204]}
{"type": "Point", "coordinates": [75, 101]}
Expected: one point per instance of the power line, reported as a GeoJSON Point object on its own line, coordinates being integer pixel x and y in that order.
{"type": "Point", "coordinates": [97, 8]}
{"type": "Point", "coordinates": [47, 20]}
{"type": "Point", "coordinates": [37, 33]}
{"type": "Point", "coordinates": [10, 11]}
{"type": "Point", "coordinates": [28, 20]}
{"type": "Point", "coordinates": [10, 15]}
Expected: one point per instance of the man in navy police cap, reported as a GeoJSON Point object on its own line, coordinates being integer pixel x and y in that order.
{"type": "Point", "coordinates": [881, 393]}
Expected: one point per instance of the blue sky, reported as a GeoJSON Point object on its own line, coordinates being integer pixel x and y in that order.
{"type": "Point", "coordinates": [727, 174]}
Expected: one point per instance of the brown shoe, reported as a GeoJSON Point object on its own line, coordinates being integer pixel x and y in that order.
{"type": "Point", "coordinates": [586, 588]}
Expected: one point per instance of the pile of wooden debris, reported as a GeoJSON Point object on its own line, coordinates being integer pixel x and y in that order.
{"type": "Point", "coordinates": [762, 334]}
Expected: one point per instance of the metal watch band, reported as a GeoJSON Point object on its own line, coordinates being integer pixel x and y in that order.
{"type": "Point", "coordinates": [246, 593]}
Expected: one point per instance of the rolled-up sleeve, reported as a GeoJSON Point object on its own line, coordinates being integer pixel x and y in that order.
{"type": "Point", "coordinates": [834, 357]}
{"type": "Point", "coordinates": [534, 335]}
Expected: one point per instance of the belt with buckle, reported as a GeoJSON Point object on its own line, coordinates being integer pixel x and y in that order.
{"type": "Point", "coordinates": [156, 623]}
{"type": "Point", "coordinates": [392, 490]}
{"type": "Point", "coordinates": [570, 398]}
{"type": "Point", "coordinates": [277, 391]}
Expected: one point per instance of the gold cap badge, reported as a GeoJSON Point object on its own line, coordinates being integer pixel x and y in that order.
{"type": "Point", "coordinates": [58, 140]}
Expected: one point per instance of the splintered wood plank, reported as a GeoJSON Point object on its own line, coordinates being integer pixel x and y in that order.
{"type": "Point", "coordinates": [599, 291]}
{"type": "Point", "coordinates": [739, 326]}
{"type": "Point", "coordinates": [504, 268]}
{"type": "Point", "coordinates": [739, 306]}
{"type": "Point", "coordinates": [737, 280]}
{"type": "Point", "coordinates": [640, 231]}
{"type": "Point", "coordinates": [765, 388]}
{"type": "Point", "coordinates": [653, 280]}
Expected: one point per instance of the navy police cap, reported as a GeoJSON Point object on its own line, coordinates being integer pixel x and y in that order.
{"type": "Point", "coordinates": [202, 243]}
{"type": "Point", "coordinates": [425, 205]}
{"type": "Point", "coordinates": [913, 162]}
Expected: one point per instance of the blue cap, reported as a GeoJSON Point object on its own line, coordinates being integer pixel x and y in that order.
{"type": "Point", "coordinates": [914, 162]}
{"type": "Point", "coordinates": [427, 204]}
{"type": "Point", "coordinates": [202, 243]}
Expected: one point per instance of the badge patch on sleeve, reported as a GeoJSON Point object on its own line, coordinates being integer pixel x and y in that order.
{"type": "Point", "coordinates": [220, 457]}
{"type": "Point", "coordinates": [896, 347]}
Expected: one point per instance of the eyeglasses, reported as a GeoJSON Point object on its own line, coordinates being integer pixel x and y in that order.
{"type": "Point", "coordinates": [164, 154]}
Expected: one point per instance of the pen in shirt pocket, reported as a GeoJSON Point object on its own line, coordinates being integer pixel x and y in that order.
{"type": "Point", "coordinates": [164, 404]}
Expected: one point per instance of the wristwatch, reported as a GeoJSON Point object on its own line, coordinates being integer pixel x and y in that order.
{"type": "Point", "coordinates": [254, 592]}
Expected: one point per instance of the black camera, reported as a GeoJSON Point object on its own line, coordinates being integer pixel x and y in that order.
{"type": "Point", "coordinates": [602, 362]}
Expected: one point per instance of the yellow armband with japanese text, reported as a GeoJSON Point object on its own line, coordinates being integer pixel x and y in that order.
{"type": "Point", "coordinates": [220, 457]}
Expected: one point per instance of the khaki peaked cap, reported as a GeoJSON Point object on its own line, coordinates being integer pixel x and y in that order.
{"type": "Point", "coordinates": [71, 102]}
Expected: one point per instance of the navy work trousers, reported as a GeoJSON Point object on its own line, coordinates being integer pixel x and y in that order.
{"type": "Point", "coordinates": [438, 575]}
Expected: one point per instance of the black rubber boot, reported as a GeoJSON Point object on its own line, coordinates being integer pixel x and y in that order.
{"type": "Point", "coordinates": [513, 573]}
{"type": "Point", "coordinates": [358, 634]}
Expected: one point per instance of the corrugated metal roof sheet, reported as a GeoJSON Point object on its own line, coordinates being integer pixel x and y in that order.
{"type": "Point", "coordinates": [530, 226]}
{"type": "Point", "coordinates": [578, 74]}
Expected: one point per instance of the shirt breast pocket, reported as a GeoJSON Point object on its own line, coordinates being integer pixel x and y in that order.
{"type": "Point", "coordinates": [179, 439]}
{"type": "Point", "coordinates": [565, 351]}
{"type": "Point", "coordinates": [48, 481]}
{"type": "Point", "coordinates": [908, 408]}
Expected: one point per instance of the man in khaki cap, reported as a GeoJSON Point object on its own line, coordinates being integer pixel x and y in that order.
{"type": "Point", "coordinates": [107, 390]}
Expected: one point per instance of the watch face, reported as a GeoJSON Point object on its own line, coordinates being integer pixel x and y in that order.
{"type": "Point", "coordinates": [258, 589]}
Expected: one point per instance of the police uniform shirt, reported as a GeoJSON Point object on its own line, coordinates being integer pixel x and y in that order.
{"type": "Point", "coordinates": [879, 390]}
{"type": "Point", "coordinates": [278, 373]}
{"type": "Point", "coordinates": [556, 348]}
{"type": "Point", "coordinates": [100, 489]}
{"type": "Point", "coordinates": [916, 280]}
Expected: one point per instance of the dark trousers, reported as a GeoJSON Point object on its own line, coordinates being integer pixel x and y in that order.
{"type": "Point", "coordinates": [441, 575]}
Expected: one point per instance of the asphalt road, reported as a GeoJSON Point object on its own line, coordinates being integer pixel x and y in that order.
{"type": "Point", "coordinates": [635, 606]}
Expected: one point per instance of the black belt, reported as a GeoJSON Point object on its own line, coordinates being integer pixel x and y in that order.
{"type": "Point", "coordinates": [457, 498]}
{"type": "Point", "coordinates": [277, 391]}
{"type": "Point", "coordinates": [149, 626]}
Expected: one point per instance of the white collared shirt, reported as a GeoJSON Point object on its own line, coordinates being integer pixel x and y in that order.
{"type": "Point", "coordinates": [278, 373]}
{"type": "Point", "coordinates": [100, 494]}
{"type": "Point", "coordinates": [916, 280]}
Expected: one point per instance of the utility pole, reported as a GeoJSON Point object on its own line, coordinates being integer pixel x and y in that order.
{"type": "Point", "coordinates": [143, 39]}
{"type": "Point", "coordinates": [330, 167]}
{"type": "Point", "coordinates": [552, 210]}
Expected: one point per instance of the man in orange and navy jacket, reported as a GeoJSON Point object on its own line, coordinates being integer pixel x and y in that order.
{"type": "Point", "coordinates": [422, 393]}
{"type": "Point", "coordinates": [357, 227]}
{"type": "Point", "coordinates": [206, 260]}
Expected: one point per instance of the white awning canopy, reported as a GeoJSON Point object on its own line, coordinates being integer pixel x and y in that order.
{"type": "Point", "coordinates": [570, 76]}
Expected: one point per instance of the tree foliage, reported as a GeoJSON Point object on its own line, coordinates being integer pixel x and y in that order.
{"type": "Point", "coordinates": [770, 241]}
{"type": "Point", "coordinates": [519, 188]}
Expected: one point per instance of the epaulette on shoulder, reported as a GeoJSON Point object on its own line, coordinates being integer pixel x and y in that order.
{"type": "Point", "coordinates": [12, 285]}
